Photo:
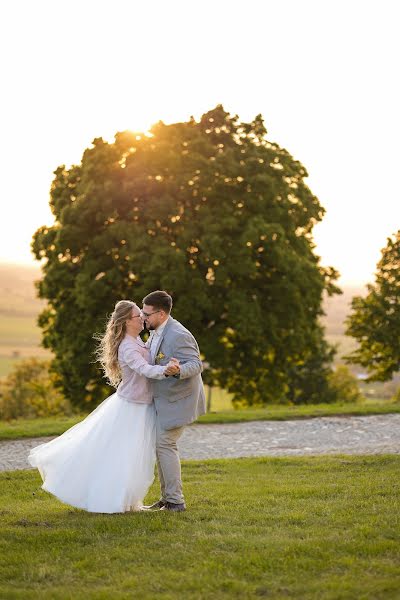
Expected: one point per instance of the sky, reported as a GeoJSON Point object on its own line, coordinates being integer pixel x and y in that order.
{"type": "Point", "coordinates": [323, 75]}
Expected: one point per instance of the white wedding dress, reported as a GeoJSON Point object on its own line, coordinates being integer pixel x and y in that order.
{"type": "Point", "coordinates": [105, 463]}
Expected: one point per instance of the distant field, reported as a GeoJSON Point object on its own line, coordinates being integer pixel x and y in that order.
{"type": "Point", "coordinates": [344, 344]}
{"type": "Point", "coordinates": [19, 338]}
{"type": "Point", "coordinates": [18, 331]}
{"type": "Point", "coordinates": [6, 365]}
{"type": "Point", "coordinates": [337, 308]}
{"type": "Point", "coordinates": [7, 362]}
{"type": "Point", "coordinates": [17, 290]}
{"type": "Point", "coordinates": [19, 308]}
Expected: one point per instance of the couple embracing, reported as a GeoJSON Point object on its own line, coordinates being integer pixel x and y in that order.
{"type": "Point", "coordinates": [106, 462]}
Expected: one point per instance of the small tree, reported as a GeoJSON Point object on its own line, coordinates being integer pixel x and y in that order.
{"type": "Point", "coordinates": [344, 385]}
{"type": "Point", "coordinates": [375, 320]}
{"type": "Point", "coordinates": [396, 395]}
{"type": "Point", "coordinates": [309, 381]}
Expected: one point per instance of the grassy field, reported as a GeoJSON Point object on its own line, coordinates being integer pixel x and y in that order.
{"type": "Point", "coordinates": [19, 338]}
{"type": "Point", "coordinates": [318, 528]}
{"type": "Point", "coordinates": [19, 331]}
{"type": "Point", "coordinates": [22, 428]}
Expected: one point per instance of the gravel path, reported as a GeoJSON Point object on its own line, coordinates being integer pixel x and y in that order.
{"type": "Point", "coordinates": [376, 434]}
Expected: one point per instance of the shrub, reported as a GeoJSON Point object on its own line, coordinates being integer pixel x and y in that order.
{"type": "Point", "coordinates": [396, 396]}
{"type": "Point", "coordinates": [345, 385]}
{"type": "Point", "coordinates": [30, 391]}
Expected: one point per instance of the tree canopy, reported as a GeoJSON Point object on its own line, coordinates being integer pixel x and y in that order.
{"type": "Point", "coordinates": [215, 214]}
{"type": "Point", "coordinates": [375, 319]}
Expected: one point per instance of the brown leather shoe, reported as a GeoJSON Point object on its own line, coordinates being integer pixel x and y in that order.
{"type": "Point", "coordinates": [156, 506]}
{"type": "Point", "coordinates": [174, 507]}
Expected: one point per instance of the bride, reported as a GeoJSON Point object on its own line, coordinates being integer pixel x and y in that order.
{"type": "Point", "coordinates": [106, 462]}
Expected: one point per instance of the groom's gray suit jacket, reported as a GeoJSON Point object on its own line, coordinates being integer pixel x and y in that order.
{"type": "Point", "coordinates": [178, 400]}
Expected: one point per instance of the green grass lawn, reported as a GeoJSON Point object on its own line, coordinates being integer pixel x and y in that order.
{"type": "Point", "coordinates": [323, 528]}
{"type": "Point", "coordinates": [283, 413]}
{"type": "Point", "coordinates": [21, 428]}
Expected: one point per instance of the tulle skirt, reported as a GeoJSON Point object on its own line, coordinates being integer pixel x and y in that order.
{"type": "Point", "coordinates": [105, 463]}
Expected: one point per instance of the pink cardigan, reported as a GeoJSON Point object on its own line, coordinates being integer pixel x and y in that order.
{"type": "Point", "coordinates": [133, 358]}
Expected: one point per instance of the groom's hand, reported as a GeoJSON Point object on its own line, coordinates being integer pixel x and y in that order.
{"type": "Point", "coordinates": [172, 367]}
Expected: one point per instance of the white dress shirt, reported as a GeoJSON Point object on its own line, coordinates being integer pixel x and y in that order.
{"type": "Point", "coordinates": [155, 338]}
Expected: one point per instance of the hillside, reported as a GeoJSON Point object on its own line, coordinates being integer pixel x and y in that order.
{"type": "Point", "coordinates": [17, 291]}
{"type": "Point", "coordinates": [337, 309]}
{"type": "Point", "coordinates": [19, 308]}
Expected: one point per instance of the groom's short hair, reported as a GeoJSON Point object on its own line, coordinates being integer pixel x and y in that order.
{"type": "Point", "coordinates": [159, 300]}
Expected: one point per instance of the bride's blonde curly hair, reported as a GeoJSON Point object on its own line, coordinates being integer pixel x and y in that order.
{"type": "Point", "coordinates": [107, 349]}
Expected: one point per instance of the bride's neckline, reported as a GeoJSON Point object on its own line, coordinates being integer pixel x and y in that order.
{"type": "Point", "coordinates": [137, 339]}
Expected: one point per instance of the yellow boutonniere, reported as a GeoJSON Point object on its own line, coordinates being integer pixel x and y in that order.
{"type": "Point", "coordinates": [159, 357]}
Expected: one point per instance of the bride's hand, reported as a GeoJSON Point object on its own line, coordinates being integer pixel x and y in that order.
{"type": "Point", "coordinates": [172, 367]}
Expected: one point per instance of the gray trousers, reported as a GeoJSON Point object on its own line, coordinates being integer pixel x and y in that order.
{"type": "Point", "coordinates": [169, 464]}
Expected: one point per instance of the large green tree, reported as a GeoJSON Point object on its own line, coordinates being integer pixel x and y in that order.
{"type": "Point", "coordinates": [217, 215]}
{"type": "Point", "coordinates": [375, 319]}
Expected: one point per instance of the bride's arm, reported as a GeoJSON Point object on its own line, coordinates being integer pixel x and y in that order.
{"type": "Point", "coordinates": [134, 359]}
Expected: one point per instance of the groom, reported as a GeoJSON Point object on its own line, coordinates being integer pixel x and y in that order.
{"type": "Point", "coordinates": [179, 399]}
